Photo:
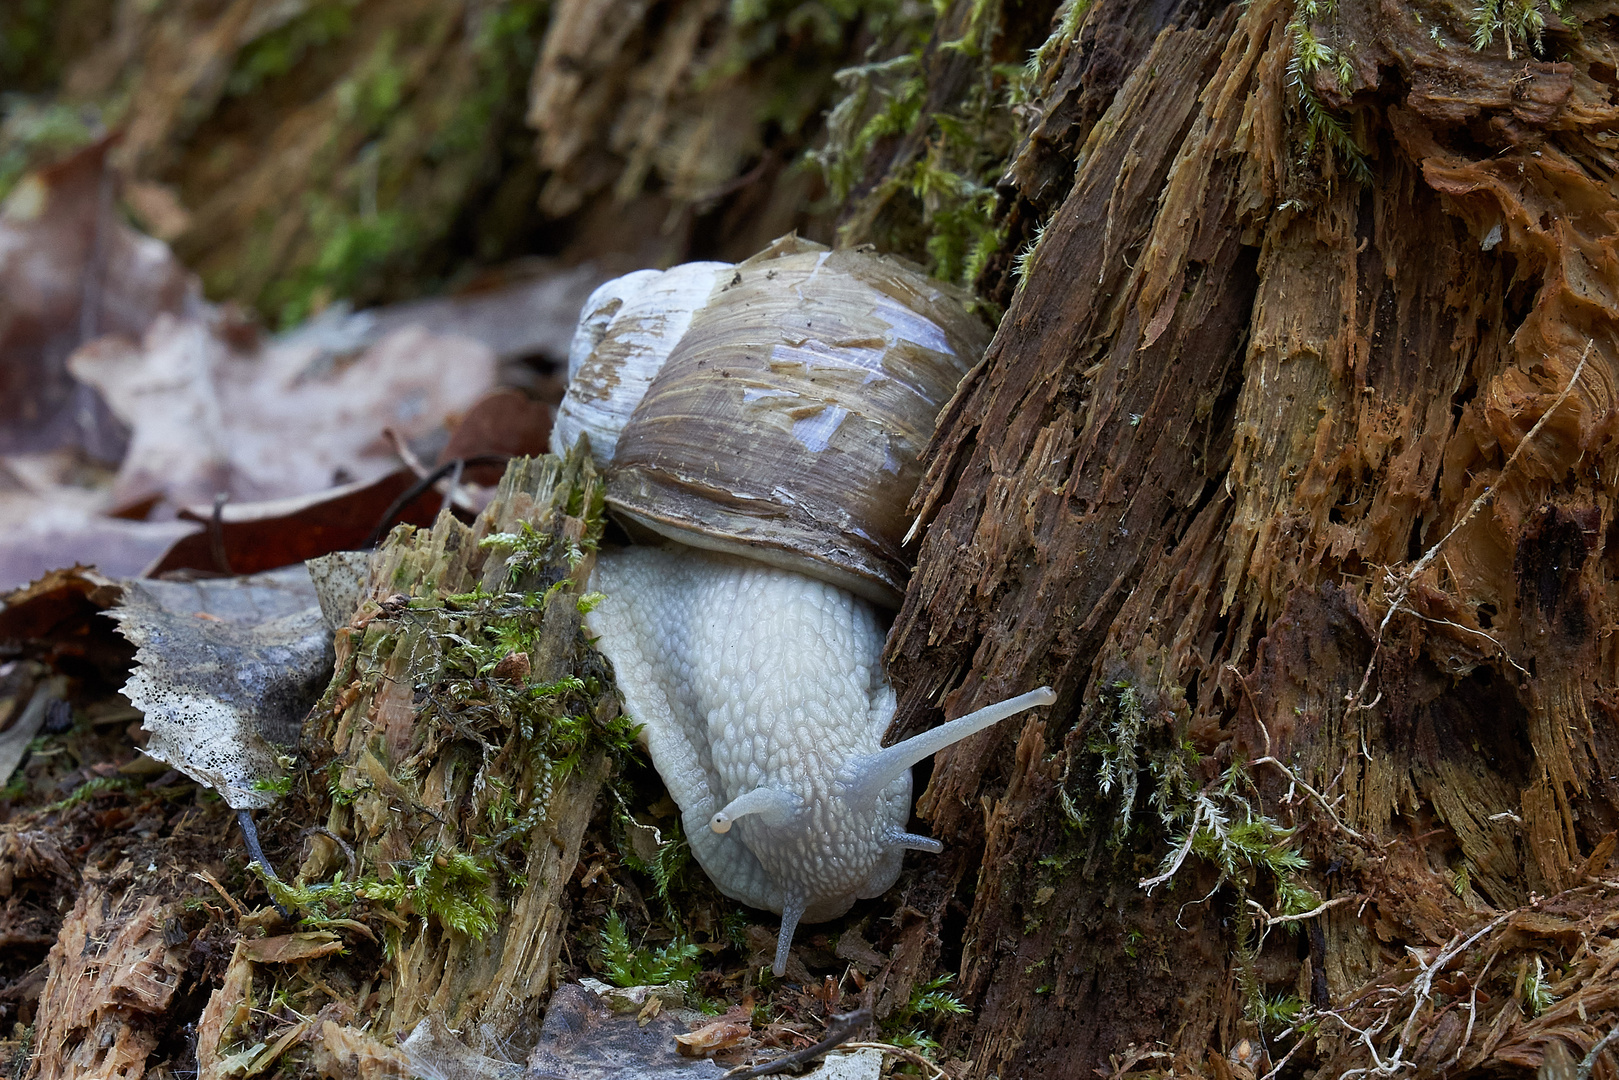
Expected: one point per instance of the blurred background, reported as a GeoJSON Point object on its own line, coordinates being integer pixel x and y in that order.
{"type": "Point", "coordinates": [253, 250]}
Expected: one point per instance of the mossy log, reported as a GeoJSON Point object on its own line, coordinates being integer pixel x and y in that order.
{"type": "Point", "coordinates": [452, 765]}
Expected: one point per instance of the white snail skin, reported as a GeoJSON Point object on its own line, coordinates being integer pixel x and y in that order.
{"type": "Point", "coordinates": [764, 704]}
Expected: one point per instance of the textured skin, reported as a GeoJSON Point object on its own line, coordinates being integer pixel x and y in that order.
{"type": "Point", "coordinates": [744, 676]}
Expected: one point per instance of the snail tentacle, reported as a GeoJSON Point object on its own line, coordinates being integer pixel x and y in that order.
{"type": "Point", "coordinates": [904, 841]}
{"type": "Point", "coordinates": [792, 910]}
{"type": "Point", "coordinates": [773, 806]}
{"type": "Point", "coordinates": [867, 777]}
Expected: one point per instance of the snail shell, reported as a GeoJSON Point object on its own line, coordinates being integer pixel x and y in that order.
{"type": "Point", "coordinates": [782, 415]}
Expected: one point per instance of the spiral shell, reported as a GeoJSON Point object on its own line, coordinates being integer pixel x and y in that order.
{"type": "Point", "coordinates": [787, 421]}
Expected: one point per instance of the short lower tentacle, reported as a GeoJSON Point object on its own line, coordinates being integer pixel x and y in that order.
{"type": "Point", "coordinates": [792, 910]}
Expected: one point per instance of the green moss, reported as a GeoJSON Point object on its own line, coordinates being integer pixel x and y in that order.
{"type": "Point", "coordinates": [279, 51]}
{"type": "Point", "coordinates": [667, 868]}
{"type": "Point", "coordinates": [1519, 22]}
{"type": "Point", "coordinates": [1322, 129]}
{"type": "Point", "coordinates": [278, 786]}
{"type": "Point", "coordinates": [626, 965]}
{"type": "Point", "coordinates": [36, 132]}
{"type": "Point", "coordinates": [96, 785]}
{"type": "Point", "coordinates": [355, 247]}
{"type": "Point", "coordinates": [937, 203]}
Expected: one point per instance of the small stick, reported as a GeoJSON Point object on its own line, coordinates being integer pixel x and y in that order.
{"type": "Point", "coordinates": [1584, 1071]}
{"type": "Point", "coordinates": [212, 882]}
{"type": "Point", "coordinates": [934, 1072]}
{"type": "Point", "coordinates": [840, 1028]}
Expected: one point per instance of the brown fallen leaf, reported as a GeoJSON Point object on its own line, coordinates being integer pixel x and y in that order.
{"type": "Point", "coordinates": [287, 948]}
{"type": "Point", "coordinates": [501, 422]}
{"type": "Point", "coordinates": [43, 534]}
{"type": "Point", "coordinates": [717, 1035]}
{"type": "Point", "coordinates": [71, 269]}
{"type": "Point", "coordinates": [278, 422]}
{"type": "Point", "coordinates": [59, 617]}
{"type": "Point", "coordinates": [258, 536]}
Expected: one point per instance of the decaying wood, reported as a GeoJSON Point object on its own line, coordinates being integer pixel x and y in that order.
{"type": "Point", "coordinates": [420, 789]}
{"type": "Point", "coordinates": [114, 971]}
{"type": "Point", "coordinates": [1237, 398]}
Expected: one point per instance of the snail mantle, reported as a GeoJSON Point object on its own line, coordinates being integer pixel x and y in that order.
{"type": "Point", "coordinates": [762, 423]}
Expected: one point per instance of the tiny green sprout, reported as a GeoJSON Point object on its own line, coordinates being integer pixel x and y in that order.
{"type": "Point", "coordinates": [277, 786]}
{"type": "Point", "coordinates": [1460, 880]}
{"type": "Point", "coordinates": [1537, 993]}
{"type": "Point", "coordinates": [1274, 1014]}
{"type": "Point", "coordinates": [588, 602]}
{"type": "Point", "coordinates": [930, 1000]}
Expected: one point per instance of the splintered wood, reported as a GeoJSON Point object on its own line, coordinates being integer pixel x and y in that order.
{"type": "Point", "coordinates": [112, 974]}
{"type": "Point", "coordinates": [451, 809]}
{"type": "Point", "coordinates": [1207, 477]}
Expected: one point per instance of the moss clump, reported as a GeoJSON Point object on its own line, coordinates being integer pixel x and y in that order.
{"type": "Point", "coordinates": [1320, 128]}
{"type": "Point", "coordinates": [453, 887]}
{"type": "Point", "coordinates": [624, 964]}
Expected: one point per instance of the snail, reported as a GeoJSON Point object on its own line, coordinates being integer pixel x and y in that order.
{"type": "Point", "coordinates": [762, 422]}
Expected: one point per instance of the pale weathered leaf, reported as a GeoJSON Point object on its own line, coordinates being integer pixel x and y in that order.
{"type": "Point", "coordinates": [224, 671]}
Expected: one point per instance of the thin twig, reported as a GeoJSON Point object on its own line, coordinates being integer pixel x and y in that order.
{"type": "Point", "coordinates": [1590, 1060]}
{"type": "Point", "coordinates": [1472, 1017]}
{"type": "Point", "coordinates": [212, 882]}
{"type": "Point", "coordinates": [1321, 800]}
{"type": "Point", "coordinates": [1152, 883]}
{"type": "Point", "coordinates": [839, 1028]}
{"type": "Point", "coordinates": [1312, 913]}
{"type": "Point", "coordinates": [933, 1071]}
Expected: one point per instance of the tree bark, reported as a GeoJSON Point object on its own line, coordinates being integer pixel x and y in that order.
{"type": "Point", "coordinates": [1248, 470]}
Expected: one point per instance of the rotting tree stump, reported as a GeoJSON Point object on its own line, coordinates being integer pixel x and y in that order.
{"type": "Point", "coordinates": [453, 765]}
{"type": "Point", "coordinates": [1218, 481]}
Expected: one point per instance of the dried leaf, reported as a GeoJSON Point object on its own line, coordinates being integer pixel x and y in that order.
{"type": "Point", "coordinates": [286, 948]}
{"type": "Point", "coordinates": [71, 269]}
{"type": "Point", "coordinates": [713, 1037]}
{"type": "Point", "coordinates": [262, 536]}
{"type": "Point", "coordinates": [225, 671]}
{"type": "Point", "coordinates": [279, 423]}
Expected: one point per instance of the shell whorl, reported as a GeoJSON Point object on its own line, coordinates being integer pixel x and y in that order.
{"type": "Point", "coordinates": [776, 409]}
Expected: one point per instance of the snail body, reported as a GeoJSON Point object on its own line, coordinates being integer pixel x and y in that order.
{"type": "Point", "coordinates": [771, 452]}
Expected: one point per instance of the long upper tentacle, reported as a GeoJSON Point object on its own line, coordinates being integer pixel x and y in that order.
{"type": "Point", "coordinates": [870, 775]}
